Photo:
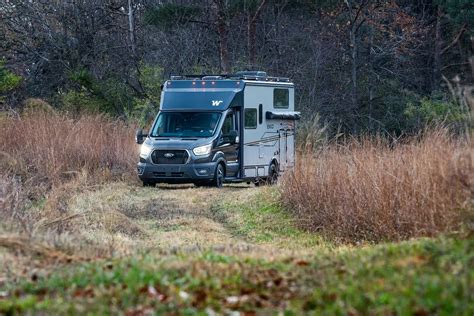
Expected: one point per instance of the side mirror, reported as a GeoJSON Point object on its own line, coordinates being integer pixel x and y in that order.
{"type": "Point", "coordinates": [139, 136]}
{"type": "Point", "coordinates": [234, 137]}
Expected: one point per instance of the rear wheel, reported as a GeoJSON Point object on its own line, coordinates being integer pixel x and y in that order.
{"type": "Point", "coordinates": [219, 176]}
{"type": "Point", "coordinates": [272, 174]}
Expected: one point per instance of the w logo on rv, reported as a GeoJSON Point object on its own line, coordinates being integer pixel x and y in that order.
{"type": "Point", "coordinates": [216, 102]}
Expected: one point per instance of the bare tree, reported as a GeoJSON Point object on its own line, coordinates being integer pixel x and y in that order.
{"type": "Point", "coordinates": [356, 20]}
{"type": "Point", "coordinates": [252, 32]}
{"type": "Point", "coordinates": [219, 9]}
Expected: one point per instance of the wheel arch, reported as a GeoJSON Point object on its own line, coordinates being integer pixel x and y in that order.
{"type": "Point", "coordinates": [219, 158]}
{"type": "Point", "coordinates": [274, 160]}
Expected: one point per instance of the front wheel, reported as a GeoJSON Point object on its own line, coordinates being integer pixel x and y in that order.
{"type": "Point", "coordinates": [219, 176]}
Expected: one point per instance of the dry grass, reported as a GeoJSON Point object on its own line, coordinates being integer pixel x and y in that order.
{"type": "Point", "coordinates": [56, 191]}
{"type": "Point", "coordinates": [48, 157]}
{"type": "Point", "coordinates": [55, 147]}
{"type": "Point", "coordinates": [46, 160]}
{"type": "Point", "coordinates": [23, 244]}
{"type": "Point", "coordinates": [371, 190]}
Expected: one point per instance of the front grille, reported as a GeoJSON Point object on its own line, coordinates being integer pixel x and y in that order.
{"type": "Point", "coordinates": [169, 175]}
{"type": "Point", "coordinates": [174, 157]}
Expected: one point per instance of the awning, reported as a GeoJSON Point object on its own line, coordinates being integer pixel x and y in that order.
{"type": "Point", "coordinates": [283, 115]}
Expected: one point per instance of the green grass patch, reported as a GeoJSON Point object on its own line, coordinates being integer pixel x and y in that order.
{"type": "Point", "coordinates": [426, 276]}
{"type": "Point", "coordinates": [261, 219]}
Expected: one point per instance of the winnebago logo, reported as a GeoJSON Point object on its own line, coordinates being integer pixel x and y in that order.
{"type": "Point", "coordinates": [216, 102]}
{"type": "Point", "coordinates": [169, 155]}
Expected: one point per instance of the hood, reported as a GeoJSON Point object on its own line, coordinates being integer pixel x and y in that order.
{"type": "Point", "coordinates": [177, 143]}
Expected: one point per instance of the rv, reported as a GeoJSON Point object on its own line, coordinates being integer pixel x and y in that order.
{"type": "Point", "coordinates": [213, 129]}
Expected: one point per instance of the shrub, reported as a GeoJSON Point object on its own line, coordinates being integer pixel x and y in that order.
{"type": "Point", "coordinates": [33, 105]}
{"type": "Point", "coordinates": [83, 102]}
{"type": "Point", "coordinates": [437, 110]}
{"type": "Point", "coordinates": [8, 80]}
{"type": "Point", "coordinates": [372, 190]}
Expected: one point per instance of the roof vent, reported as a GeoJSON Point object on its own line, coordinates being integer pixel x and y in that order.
{"type": "Point", "coordinates": [212, 78]}
{"type": "Point", "coordinates": [251, 73]}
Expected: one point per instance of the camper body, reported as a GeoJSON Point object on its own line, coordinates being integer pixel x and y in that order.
{"type": "Point", "coordinates": [216, 129]}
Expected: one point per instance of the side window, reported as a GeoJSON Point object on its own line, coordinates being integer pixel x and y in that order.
{"type": "Point", "coordinates": [281, 98]}
{"type": "Point", "coordinates": [250, 118]}
{"type": "Point", "coordinates": [228, 124]}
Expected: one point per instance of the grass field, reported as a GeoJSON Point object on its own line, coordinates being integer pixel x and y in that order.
{"type": "Point", "coordinates": [358, 232]}
{"type": "Point", "coordinates": [418, 277]}
{"type": "Point", "coordinates": [216, 254]}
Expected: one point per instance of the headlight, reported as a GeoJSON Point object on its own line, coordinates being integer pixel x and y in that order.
{"type": "Point", "coordinates": [202, 150]}
{"type": "Point", "coordinates": [145, 150]}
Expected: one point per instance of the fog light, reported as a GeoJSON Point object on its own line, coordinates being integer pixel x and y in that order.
{"type": "Point", "coordinates": [140, 170]}
{"type": "Point", "coordinates": [203, 171]}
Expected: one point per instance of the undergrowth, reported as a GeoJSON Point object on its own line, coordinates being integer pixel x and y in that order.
{"type": "Point", "coordinates": [374, 190]}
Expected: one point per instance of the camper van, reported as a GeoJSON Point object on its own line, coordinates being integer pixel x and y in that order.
{"type": "Point", "coordinates": [214, 129]}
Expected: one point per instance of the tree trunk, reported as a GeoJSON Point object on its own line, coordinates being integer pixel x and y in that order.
{"type": "Point", "coordinates": [437, 52]}
{"type": "Point", "coordinates": [354, 26]}
{"type": "Point", "coordinates": [223, 31]}
{"type": "Point", "coordinates": [353, 43]}
{"type": "Point", "coordinates": [371, 72]}
{"type": "Point", "coordinates": [251, 38]}
{"type": "Point", "coordinates": [252, 35]}
{"type": "Point", "coordinates": [131, 29]}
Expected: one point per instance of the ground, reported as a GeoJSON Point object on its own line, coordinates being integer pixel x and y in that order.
{"type": "Point", "coordinates": [172, 249]}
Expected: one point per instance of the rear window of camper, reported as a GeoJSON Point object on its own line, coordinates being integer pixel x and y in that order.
{"type": "Point", "coordinates": [281, 98]}
{"type": "Point", "coordinates": [250, 118]}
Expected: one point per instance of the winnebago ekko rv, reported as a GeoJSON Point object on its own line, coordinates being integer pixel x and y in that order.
{"type": "Point", "coordinates": [220, 128]}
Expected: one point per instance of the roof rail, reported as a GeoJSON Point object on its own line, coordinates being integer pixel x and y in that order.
{"type": "Point", "coordinates": [240, 75]}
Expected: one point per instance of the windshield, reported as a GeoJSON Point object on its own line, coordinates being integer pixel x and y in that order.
{"type": "Point", "coordinates": [186, 124]}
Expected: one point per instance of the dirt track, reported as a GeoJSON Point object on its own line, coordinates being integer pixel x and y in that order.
{"type": "Point", "coordinates": [168, 218]}
{"type": "Point", "coordinates": [123, 219]}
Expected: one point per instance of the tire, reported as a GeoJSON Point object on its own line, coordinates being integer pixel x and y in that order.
{"type": "Point", "coordinates": [219, 176]}
{"type": "Point", "coordinates": [148, 184]}
{"type": "Point", "coordinates": [272, 174]}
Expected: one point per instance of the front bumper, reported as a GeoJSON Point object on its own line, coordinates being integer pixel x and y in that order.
{"type": "Point", "coordinates": [183, 173]}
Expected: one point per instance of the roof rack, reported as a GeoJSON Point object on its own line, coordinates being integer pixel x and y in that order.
{"type": "Point", "coordinates": [240, 75]}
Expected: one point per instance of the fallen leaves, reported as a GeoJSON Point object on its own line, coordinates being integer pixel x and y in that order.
{"type": "Point", "coordinates": [301, 262]}
{"type": "Point", "coordinates": [87, 292]}
{"type": "Point", "coordinates": [154, 293]}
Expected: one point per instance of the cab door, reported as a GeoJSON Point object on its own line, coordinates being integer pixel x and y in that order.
{"type": "Point", "coordinates": [229, 144]}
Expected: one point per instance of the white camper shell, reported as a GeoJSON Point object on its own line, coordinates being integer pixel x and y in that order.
{"type": "Point", "coordinates": [269, 127]}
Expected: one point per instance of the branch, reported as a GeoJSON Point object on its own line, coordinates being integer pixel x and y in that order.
{"type": "Point", "coordinates": [358, 26]}
{"type": "Point", "coordinates": [456, 39]}
{"type": "Point", "coordinates": [257, 12]}
{"type": "Point", "coordinates": [450, 86]}
{"type": "Point", "coordinates": [453, 65]}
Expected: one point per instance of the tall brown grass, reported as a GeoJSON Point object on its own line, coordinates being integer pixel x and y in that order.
{"type": "Point", "coordinates": [54, 146]}
{"type": "Point", "coordinates": [371, 190]}
{"type": "Point", "coordinates": [44, 154]}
